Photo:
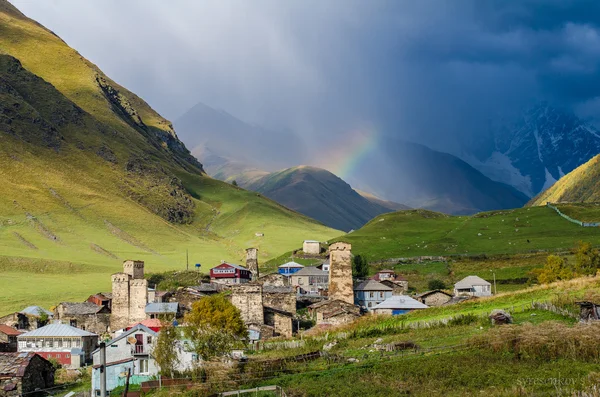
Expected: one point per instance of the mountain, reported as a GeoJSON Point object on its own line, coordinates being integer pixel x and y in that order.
{"type": "Point", "coordinates": [318, 193]}
{"type": "Point", "coordinates": [424, 178]}
{"type": "Point", "coordinates": [207, 130]}
{"type": "Point", "coordinates": [91, 175]}
{"type": "Point", "coordinates": [582, 185]}
{"type": "Point", "coordinates": [532, 153]}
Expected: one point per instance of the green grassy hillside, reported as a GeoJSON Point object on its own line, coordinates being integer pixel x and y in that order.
{"type": "Point", "coordinates": [580, 185]}
{"type": "Point", "coordinates": [90, 176]}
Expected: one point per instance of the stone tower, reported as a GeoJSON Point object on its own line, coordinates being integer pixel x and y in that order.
{"type": "Point", "coordinates": [138, 298]}
{"type": "Point", "coordinates": [135, 269]}
{"type": "Point", "coordinates": [119, 317]}
{"type": "Point", "coordinates": [252, 262]}
{"type": "Point", "coordinates": [130, 295]}
{"type": "Point", "coordinates": [340, 272]}
{"type": "Point", "coordinates": [248, 299]}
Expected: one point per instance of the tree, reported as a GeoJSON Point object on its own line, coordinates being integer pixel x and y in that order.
{"type": "Point", "coordinates": [587, 259]}
{"type": "Point", "coordinates": [436, 284]}
{"type": "Point", "coordinates": [360, 267]}
{"type": "Point", "coordinates": [234, 182]}
{"type": "Point", "coordinates": [164, 352]}
{"type": "Point", "coordinates": [215, 326]}
{"type": "Point", "coordinates": [556, 268]}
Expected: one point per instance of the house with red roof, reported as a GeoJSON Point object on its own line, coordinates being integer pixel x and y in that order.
{"type": "Point", "coordinates": [8, 338]}
{"type": "Point", "coordinates": [228, 273]}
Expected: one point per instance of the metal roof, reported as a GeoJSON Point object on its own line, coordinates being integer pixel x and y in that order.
{"type": "Point", "coordinates": [275, 289]}
{"type": "Point", "coordinates": [291, 264]}
{"type": "Point", "coordinates": [35, 311]}
{"type": "Point", "coordinates": [56, 330]}
{"type": "Point", "coordinates": [310, 271]}
{"type": "Point", "coordinates": [6, 330]}
{"type": "Point", "coordinates": [15, 364]}
{"type": "Point", "coordinates": [372, 285]}
{"type": "Point", "coordinates": [166, 307]}
{"type": "Point", "coordinates": [400, 302]}
{"type": "Point", "coordinates": [470, 281]}
{"type": "Point", "coordinates": [435, 291]}
{"type": "Point", "coordinates": [80, 308]}
{"type": "Point", "coordinates": [232, 265]}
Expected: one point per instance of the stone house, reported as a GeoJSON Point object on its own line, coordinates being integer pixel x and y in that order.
{"type": "Point", "coordinates": [311, 247]}
{"type": "Point", "coordinates": [282, 298]}
{"type": "Point", "coordinates": [228, 273]}
{"type": "Point", "coordinates": [398, 304]}
{"type": "Point", "coordinates": [333, 312]}
{"type": "Point", "coordinates": [274, 279]}
{"type": "Point", "coordinates": [473, 286]}
{"type": "Point", "coordinates": [84, 315]}
{"type": "Point", "coordinates": [434, 298]}
{"type": "Point", "coordinates": [310, 281]}
{"type": "Point", "coordinates": [370, 293]}
{"type": "Point", "coordinates": [70, 346]}
{"type": "Point", "coordinates": [24, 373]}
{"type": "Point", "coordinates": [398, 286]}
{"type": "Point", "coordinates": [28, 319]}
{"type": "Point", "coordinates": [8, 339]}
{"type": "Point", "coordinates": [130, 350]}
{"type": "Point", "coordinates": [289, 268]}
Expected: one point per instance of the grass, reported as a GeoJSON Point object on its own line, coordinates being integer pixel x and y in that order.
{"type": "Point", "coordinates": [585, 212]}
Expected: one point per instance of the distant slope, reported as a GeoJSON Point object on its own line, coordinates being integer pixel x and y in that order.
{"type": "Point", "coordinates": [581, 185]}
{"type": "Point", "coordinates": [420, 177]}
{"type": "Point", "coordinates": [384, 203]}
{"type": "Point", "coordinates": [319, 194]}
{"type": "Point", "coordinates": [90, 176]}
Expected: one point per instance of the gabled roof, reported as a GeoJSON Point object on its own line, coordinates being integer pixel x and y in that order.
{"type": "Point", "coordinates": [291, 264]}
{"type": "Point", "coordinates": [15, 364]}
{"type": "Point", "coordinates": [372, 285]}
{"type": "Point", "coordinates": [386, 271]}
{"type": "Point", "coordinates": [149, 322]}
{"type": "Point", "coordinates": [310, 271]}
{"type": "Point", "coordinates": [165, 307]}
{"type": "Point", "coordinates": [6, 330]}
{"type": "Point", "coordinates": [136, 328]}
{"type": "Point", "coordinates": [470, 281]}
{"type": "Point", "coordinates": [231, 265]}
{"type": "Point", "coordinates": [435, 291]}
{"type": "Point", "coordinates": [56, 330]}
{"type": "Point", "coordinates": [400, 302]}
{"type": "Point", "coordinates": [276, 289]}
{"type": "Point", "coordinates": [81, 308]}
{"type": "Point", "coordinates": [35, 311]}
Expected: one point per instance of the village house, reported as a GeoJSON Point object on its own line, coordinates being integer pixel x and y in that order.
{"type": "Point", "coordinates": [370, 293]}
{"type": "Point", "coordinates": [70, 346]}
{"type": "Point", "coordinates": [324, 266]}
{"type": "Point", "coordinates": [289, 268]}
{"type": "Point", "coordinates": [385, 274]}
{"type": "Point", "coordinates": [129, 295]}
{"type": "Point", "coordinates": [398, 286]}
{"type": "Point", "coordinates": [473, 286]}
{"type": "Point", "coordinates": [434, 298]}
{"type": "Point", "coordinates": [311, 247]}
{"type": "Point", "coordinates": [167, 311]}
{"type": "Point", "coordinates": [28, 319]}
{"type": "Point", "coordinates": [227, 273]}
{"type": "Point", "coordinates": [84, 315]}
{"type": "Point", "coordinates": [398, 304]}
{"type": "Point", "coordinates": [131, 350]}
{"type": "Point", "coordinates": [8, 338]}
{"type": "Point", "coordinates": [310, 281]}
{"type": "Point", "coordinates": [24, 373]}
{"type": "Point", "coordinates": [101, 299]}
{"type": "Point", "coordinates": [153, 323]}
{"type": "Point", "coordinates": [333, 312]}
{"type": "Point", "coordinates": [155, 296]}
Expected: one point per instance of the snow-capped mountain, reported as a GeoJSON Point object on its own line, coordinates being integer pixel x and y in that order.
{"type": "Point", "coordinates": [537, 150]}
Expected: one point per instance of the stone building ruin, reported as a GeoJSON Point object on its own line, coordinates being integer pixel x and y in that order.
{"type": "Point", "coordinates": [252, 262]}
{"type": "Point", "coordinates": [129, 295]}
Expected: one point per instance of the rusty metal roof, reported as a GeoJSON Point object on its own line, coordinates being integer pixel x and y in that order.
{"type": "Point", "coordinates": [6, 330]}
{"type": "Point", "coordinates": [14, 364]}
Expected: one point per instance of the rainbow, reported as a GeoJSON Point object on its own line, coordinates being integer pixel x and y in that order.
{"type": "Point", "coordinates": [344, 160]}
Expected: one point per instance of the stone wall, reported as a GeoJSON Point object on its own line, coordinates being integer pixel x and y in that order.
{"type": "Point", "coordinates": [311, 248]}
{"type": "Point", "coordinates": [283, 325]}
{"type": "Point", "coordinates": [252, 262]}
{"type": "Point", "coordinates": [282, 298]}
{"type": "Point", "coordinates": [39, 374]}
{"type": "Point", "coordinates": [435, 299]}
{"type": "Point", "coordinates": [248, 299]}
{"type": "Point", "coordinates": [120, 301]}
{"type": "Point", "coordinates": [135, 269]}
{"type": "Point", "coordinates": [275, 280]}
{"type": "Point", "coordinates": [340, 272]}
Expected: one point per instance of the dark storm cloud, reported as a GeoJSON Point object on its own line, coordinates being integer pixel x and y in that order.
{"type": "Point", "coordinates": [432, 71]}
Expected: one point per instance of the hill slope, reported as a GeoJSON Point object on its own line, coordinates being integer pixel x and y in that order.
{"type": "Point", "coordinates": [580, 185]}
{"type": "Point", "coordinates": [318, 193]}
{"type": "Point", "coordinates": [90, 175]}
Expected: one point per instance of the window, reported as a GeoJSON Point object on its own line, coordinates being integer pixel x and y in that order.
{"type": "Point", "coordinates": [143, 366]}
{"type": "Point", "coordinates": [370, 304]}
{"type": "Point", "coordinates": [59, 343]}
{"type": "Point", "coordinates": [149, 339]}
{"type": "Point", "coordinates": [67, 356]}
{"type": "Point", "coordinates": [300, 281]}
{"type": "Point", "coordinates": [58, 356]}
{"type": "Point", "coordinates": [73, 323]}
{"type": "Point", "coordinates": [381, 294]}
{"type": "Point", "coordinates": [371, 294]}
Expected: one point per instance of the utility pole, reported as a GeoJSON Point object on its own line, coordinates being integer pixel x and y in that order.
{"type": "Point", "coordinates": [102, 369]}
{"type": "Point", "coordinates": [127, 383]}
{"type": "Point", "coordinates": [187, 261]}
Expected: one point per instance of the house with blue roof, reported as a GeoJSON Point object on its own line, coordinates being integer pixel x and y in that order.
{"type": "Point", "coordinates": [287, 269]}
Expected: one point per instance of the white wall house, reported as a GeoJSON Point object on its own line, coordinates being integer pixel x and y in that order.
{"type": "Point", "coordinates": [473, 286]}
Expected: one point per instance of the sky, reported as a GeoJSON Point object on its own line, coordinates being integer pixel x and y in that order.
{"type": "Point", "coordinates": [435, 72]}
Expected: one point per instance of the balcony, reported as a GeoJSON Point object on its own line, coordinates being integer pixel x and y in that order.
{"type": "Point", "coordinates": [140, 350]}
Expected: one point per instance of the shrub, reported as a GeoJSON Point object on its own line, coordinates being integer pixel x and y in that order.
{"type": "Point", "coordinates": [436, 284]}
